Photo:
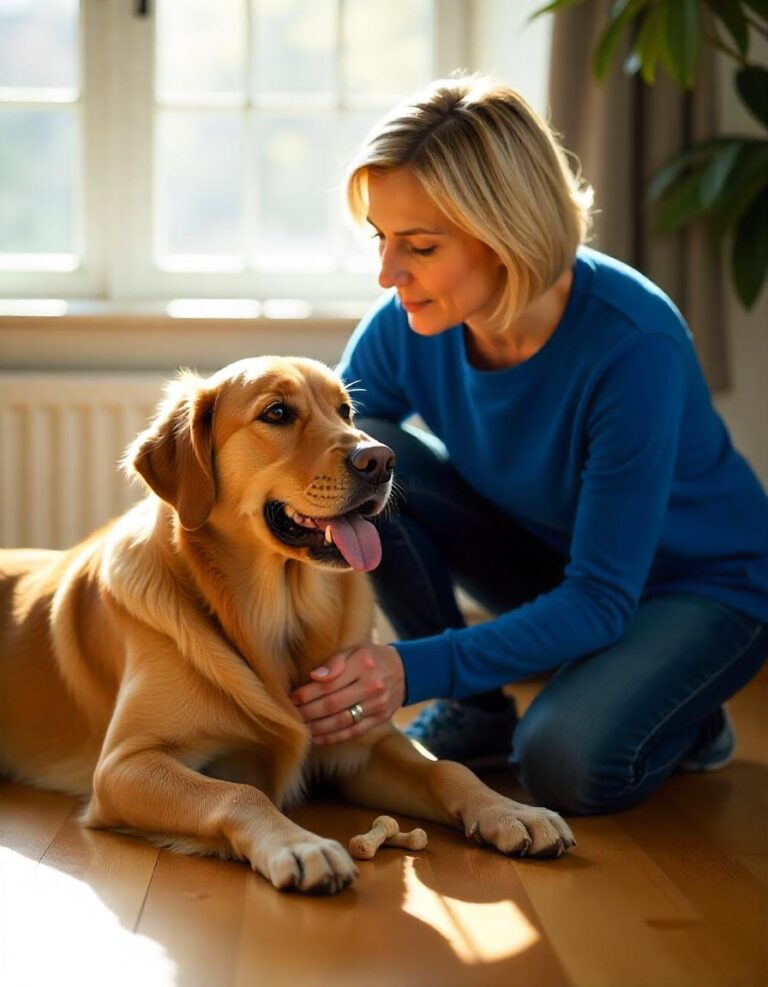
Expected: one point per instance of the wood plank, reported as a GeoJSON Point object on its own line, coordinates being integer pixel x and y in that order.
{"type": "Point", "coordinates": [447, 915]}
{"type": "Point", "coordinates": [614, 917]}
{"type": "Point", "coordinates": [193, 910]}
{"type": "Point", "coordinates": [732, 904]}
{"type": "Point", "coordinates": [492, 916]}
{"type": "Point", "coordinates": [30, 818]}
{"type": "Point", "coordinates": [670, 894]}
{"type": "Point", "coordinates": [728, 809]}
{"type": "Point", "coordinates": [117, 868]}
{"type": "Point", "coordinates": [57, 928]}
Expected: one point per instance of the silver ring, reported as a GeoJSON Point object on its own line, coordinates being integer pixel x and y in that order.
{"type": "Point", "coordinates": [356, 712]}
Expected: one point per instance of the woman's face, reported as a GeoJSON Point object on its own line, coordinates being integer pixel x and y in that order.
{"type": "Point", "coordinates": [443, 275]}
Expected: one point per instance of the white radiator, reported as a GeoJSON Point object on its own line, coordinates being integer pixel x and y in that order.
{"type": "Point", "coordinates": [61, 437]}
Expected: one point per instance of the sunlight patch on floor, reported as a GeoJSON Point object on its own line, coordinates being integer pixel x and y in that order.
{"type": "Point", "coordinates": [54, 929]}
{"type": "Point", "coordinates": [478, 932]}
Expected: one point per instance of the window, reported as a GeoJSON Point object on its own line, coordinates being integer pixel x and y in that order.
{"type": "Point", "coordinates": [183, 148]}
{"type": "Point", "coordinates": [257, 106]}
{"type": "Point", "coordinates": [41, 130]}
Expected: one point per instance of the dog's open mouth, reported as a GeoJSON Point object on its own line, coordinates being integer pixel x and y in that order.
{"type": "Point", "coordinates": [348, 538]}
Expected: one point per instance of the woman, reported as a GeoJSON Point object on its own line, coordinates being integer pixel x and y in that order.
{"type": "Point", "coordinates": [577, 481]}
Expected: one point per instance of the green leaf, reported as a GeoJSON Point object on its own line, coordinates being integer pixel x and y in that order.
{"type": "Point", "coordinates": [681, 205]}
{"type": "Point", "coordinates": [733, 19]}
{"type": "Point", "coordinates": [650, 42]}
{"type": "Point", "coordinates": [683, 40]}
{"type": "Point", "coordinates": [717, 172]}
{"type": "Point", "coordinates": [622, 12]}
{"type": "Point", "coordinates": [748, 179]}
{"type": "Point", "coordinates": [553, 8]}
{"type": "Point", "coordinates": [752, 84]}
{"type": "Point", "coordinates": [606, 48]}
{"type": "Point", "coordinates": [675, 166]}
{"type": "Point", "coordinates": [749, 257]}
{"type": "Point", "coordinates": [760, 7]}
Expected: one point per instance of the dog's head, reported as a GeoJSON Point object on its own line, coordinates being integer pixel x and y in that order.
{"type": "Point", "coordinates": [270, 442]}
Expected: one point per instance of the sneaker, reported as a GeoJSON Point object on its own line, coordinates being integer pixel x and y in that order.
{"type": "Point", "coordinates": [454, 731]}
{"type": "Point", "coordinates": [714, 746]}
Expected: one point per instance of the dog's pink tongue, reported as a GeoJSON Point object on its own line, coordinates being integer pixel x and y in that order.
{"type": "Point", "coordinates": [358, 541]}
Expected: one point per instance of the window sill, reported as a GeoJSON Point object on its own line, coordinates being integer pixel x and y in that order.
{"type": "Point", "coordinates": [52, 335]}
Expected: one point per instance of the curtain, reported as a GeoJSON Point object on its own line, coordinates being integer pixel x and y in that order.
{"type": "Point", "coordinates": [621, 132]}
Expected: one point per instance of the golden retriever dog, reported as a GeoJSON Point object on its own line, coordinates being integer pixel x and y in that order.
{"type": "Point", "coordinates": [149, 668]}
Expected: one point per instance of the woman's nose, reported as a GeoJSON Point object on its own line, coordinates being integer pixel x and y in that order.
{"type": "Point", "coordinates": [392, 272]}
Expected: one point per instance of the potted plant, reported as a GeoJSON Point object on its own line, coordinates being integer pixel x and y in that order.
{"type": "Point", "coordinates": [724, 180]}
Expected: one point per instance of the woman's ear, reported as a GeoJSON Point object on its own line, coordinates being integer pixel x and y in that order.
{"type": "Point", "coordinates": [174, 456]}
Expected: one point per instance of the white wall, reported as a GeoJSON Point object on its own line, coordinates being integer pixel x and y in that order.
{"type": "Point", "coordinates": [505, 44]}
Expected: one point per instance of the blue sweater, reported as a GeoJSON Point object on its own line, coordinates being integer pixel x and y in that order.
{"type": "Point", "coordinates": [604, 444]}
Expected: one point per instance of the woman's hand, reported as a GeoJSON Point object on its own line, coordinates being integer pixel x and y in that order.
{"type": "Point", "coordinates": [368, 676]}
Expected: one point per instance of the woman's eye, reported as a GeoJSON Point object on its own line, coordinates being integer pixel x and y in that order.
{"type": "Point", "coordinates": [345, 411]}
{"type": "Point", "coordinates": [423, 251]}
{"type": "Point", "coordinates": [276, 414]}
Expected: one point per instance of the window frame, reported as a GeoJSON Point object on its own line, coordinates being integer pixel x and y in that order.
{"type": "Point", "coordinates": [116, 107]}
{"type": "Point", "coordinates": [137, 276]}
{"type": "Point", "coordinates": [88, 279]}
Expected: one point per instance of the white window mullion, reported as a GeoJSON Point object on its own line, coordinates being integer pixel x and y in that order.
{"type": "Point", "coordinates": [130, 41]}
{"type": "Point", "coordinates": [96, 194]}
{"type": "Point", "coordinates": [249, 187]}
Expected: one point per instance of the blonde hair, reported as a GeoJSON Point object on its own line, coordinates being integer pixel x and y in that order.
{"type": "Point", "coordinates": [491, 164]}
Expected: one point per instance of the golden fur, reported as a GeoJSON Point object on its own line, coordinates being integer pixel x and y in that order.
{"type": "Point", "coordinates": [149, 668]}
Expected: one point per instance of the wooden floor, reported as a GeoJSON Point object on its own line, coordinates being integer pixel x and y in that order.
{"type": "Point", "coordinates": [668, 895]}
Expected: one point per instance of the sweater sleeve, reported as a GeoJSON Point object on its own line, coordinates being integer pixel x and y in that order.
{"type": "Point", "coordinates": [631, 441]}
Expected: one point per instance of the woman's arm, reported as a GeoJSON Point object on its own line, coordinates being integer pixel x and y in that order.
{"type": "Point", "coordinates": [631, 448]}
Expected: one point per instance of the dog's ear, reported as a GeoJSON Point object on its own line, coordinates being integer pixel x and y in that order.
{"type": "Point", "coordinates": [174, 456]}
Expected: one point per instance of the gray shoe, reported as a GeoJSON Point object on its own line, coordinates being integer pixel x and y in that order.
{"type": "Point", "coordinates": [454, 731]}
{"type": "Point", "coordinates": [714, 746]}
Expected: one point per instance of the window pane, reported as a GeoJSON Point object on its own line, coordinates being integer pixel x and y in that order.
{"type": "Point", "coordinates": [387, 47]}
{"type": "Point", "coordinates": [356, 249]}
{"type": "Point", "coordinates": [38, 175]}
{"type": "Point", "coordinates": [296, 192]}
{"type": "Point", "coordinates": [199, 199]}
{"type": "Point", "coordinates": [38, 43]}
{"type": "Point", "coordinates": [294, 46]}
{"type": "Point", "coordinates": [200, 47]}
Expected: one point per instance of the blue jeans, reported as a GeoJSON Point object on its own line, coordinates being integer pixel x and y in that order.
{"type": "Point", "coordinates": [605, 730]}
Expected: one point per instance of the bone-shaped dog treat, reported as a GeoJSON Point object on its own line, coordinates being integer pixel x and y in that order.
{"type": "Point", "coordinates": [385, 830]}
{"type": "Point", "coordinates": [415, 840]}
{"type": "Point", "coordinates": [364, 847]}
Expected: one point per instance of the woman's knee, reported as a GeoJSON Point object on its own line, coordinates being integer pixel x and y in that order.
{"type": "Point", "coordinates": [573, 771]}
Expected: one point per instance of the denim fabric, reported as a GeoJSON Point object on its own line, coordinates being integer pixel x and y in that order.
{"type": "Point", "coordinates": [606, 730]}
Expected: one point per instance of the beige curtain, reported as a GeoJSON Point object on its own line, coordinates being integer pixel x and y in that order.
{"type": "Point", "coordinates": [622, 131]}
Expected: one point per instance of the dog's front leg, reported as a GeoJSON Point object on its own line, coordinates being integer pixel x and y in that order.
{"type": "Point", "coordinates": [153, 793]}
{"type": "Point", "coordinates": [398, 778]}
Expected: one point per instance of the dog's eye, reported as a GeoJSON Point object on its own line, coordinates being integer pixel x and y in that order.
{"type": "Point", "coordinates": [345, 410]}
{"type": "Point", "coordinates": [276, 414]}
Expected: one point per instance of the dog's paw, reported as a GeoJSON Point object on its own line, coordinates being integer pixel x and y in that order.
{"type": "Point", "coordinates": [520, 830]}
{"type": "Point", "coordinates": [311, 864]}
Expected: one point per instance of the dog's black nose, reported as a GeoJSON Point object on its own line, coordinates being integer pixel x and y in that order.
{"type": "Point", "coordinates": [373, 462]}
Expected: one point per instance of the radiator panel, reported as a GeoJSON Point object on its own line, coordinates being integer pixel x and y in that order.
{"type": "Point", "coordinates": [61, 438]}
